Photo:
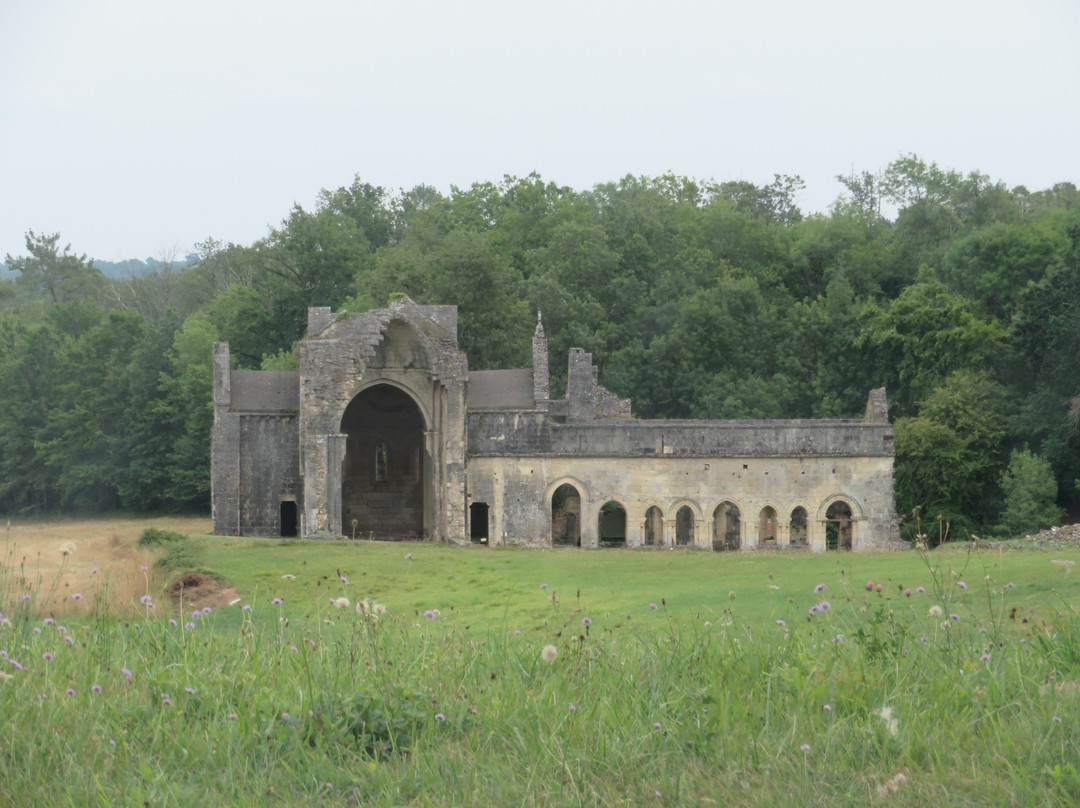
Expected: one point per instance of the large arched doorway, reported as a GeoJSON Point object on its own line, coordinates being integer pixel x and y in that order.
{"type": "Point", "coordinates": [566, 516]}
{"type": "Point", "coordinates": [838, 526]}
{"type": "Point", "coordinates": [767, 526]}
{"type": "Point", "coordinates": [726, 527]}
{"type": "Point", "coordinates": [383, 475]}
{"type": "Point", "coordinates": [799, 536]}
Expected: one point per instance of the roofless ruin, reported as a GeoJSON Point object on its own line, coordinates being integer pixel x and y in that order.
{"type": "Point", "coordinates": [384, 432]}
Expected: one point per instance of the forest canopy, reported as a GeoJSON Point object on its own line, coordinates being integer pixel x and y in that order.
{"type": "Point", "coordinates": [698, 299]}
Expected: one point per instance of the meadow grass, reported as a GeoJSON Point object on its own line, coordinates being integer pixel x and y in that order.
{"type": "Point", "coordinates": [678, 678]}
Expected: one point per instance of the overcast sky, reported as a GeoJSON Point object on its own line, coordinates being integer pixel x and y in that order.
{"type": "Point", "coordinates": [135, 129]}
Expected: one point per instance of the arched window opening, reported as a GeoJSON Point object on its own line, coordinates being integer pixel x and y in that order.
{"type": "Point", "coordinates": [800, 537]}
{"type": "Point", "coordinates": [566, 516]}
{"type": "Point", "coordinates": [726, 527]}
{"type": "Point", "coordinates": [654, 527]}
{"type": "Point", "coordinates": [478, 522]}
{"type": "Point", "coordinates": [684, 526]}
{"type": "Point", "coordinates": [611, 525]}
{"type": "Point", "coordinates": [767, 526]}
{"type": "Point", "coordinates": [838, 526]}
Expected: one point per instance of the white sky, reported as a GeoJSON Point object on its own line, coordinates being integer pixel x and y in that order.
{"type": "Point", "coordinates": [135, 128]}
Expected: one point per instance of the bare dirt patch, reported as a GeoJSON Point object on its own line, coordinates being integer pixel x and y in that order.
{"type": "Point", "coordinates": [106, 569]}
{"type": "Point", "coordinates": [196, 590]}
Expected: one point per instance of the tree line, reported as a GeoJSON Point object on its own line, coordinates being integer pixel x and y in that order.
{"type": "Point", "coordinates": [698, 299]}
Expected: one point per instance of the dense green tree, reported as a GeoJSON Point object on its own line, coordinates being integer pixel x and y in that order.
{"type": "Point", "coordinates": [1030, 493]}
{"type": "Point", "coordinates": [61, 274]}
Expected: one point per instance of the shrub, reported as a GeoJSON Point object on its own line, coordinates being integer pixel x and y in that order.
{"type": "Point", "coordinates": [153, 537]}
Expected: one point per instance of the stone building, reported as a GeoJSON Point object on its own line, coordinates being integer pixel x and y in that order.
{"type": "Point", "coordinates": [383, 431]}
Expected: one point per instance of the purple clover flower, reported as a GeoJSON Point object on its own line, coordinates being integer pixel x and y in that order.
{"type": "Point", "coordinates": [653, 606]}
{"type": "Point", "coordinates": [440, 717]}
{"type": "Point", "coordinates": [962, 585]}
{"type": "Point", "coordinates": [586, 621]}
{"type": "Point", "coordinates": [820, 588]}
{"type": "Point", "coordinates": [921, 590]}
{"type": "Point", "coordinates": [277, 601]}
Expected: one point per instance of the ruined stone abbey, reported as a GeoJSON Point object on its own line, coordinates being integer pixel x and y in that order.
{"type": "Point", "coordinates": [384, 432]}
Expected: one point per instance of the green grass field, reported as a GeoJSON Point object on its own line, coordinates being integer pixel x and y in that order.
{"type": "Point", "coordinates": [673, 678]}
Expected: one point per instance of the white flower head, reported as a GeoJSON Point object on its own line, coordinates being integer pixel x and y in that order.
{"type": "Point", "coordinates": [892, 725]}
{"type": "Point", "coordinates": [935, 611]}
{"type": "Point", "coordinates": [549, 653]}
{"type": "Point", "coordinates": [288, 576]}
{"type": "Point", "coordinates": [341, 603]}
{"type": "Point", "coordinates": [67, 548]}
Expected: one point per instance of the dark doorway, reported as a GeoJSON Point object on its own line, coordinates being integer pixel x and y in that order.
{"type": "Point", "coordinates": [566, 516]}
{"type": "Point", "coordinates": [288, 518]}
{"type": "Point", "coordinates": [684, 526]}
{"type": "Point", "coordinates": [382, 479]}
{"type": "Point", "coordinates": [612, 525]}
{"type": "Point", "coordinates": [838, 526]}
{"type": "Point", "coordinates": [478, 522]}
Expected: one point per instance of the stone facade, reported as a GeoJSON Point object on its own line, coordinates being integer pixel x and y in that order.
{"type": "Point", "coordinates": [384, 432]}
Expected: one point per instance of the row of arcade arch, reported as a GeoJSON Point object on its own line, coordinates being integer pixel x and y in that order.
{"type": "Point", "coordinates": [728, 529]}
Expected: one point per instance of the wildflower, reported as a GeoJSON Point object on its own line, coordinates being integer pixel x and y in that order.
{"type": "Point", "coordinates": [67, 548]}
{"type": "Point", "coordinates": [824, 606]}
{"type": "Point", "coordinates": [93, 571]}
{"type": "Point", "coordinates": [48, 621]}
{"type": "Point", "coordinates": [1056, 719]}
{"type": "Point", "coordinates": [440, 717]}
{"type": "Point", "coordinates": [586, 621]}
{"type": "Point", "coordinates": [573, 708]}
{"type": "Point", "coordinates": [984, 658]}
{"type": "Point", "coordinates": [294, 649]}
{"type": "Point", "coordinates": [1010, 585]}
{"type": "Point", "coordinates": [69, 639]}
{"type": "Point", "coordinates": [26, 596]}
{"type": "Point", "coordinates": [954, 617]}
{"type": "Point", "coordinates": [195, 615]}
{"type": "Point", "coordinates": [653, 606]}
{"type": "Point", "coordinates": [146, 599]}
{"type": "Point", "coordinates": [892, 726]}
{"type": "Point", "coordinates": [805, 748]}
{"type": "Point", "coordinates": [232, 716]}
{"type": "Point", "coordinates": [782, 623]}
{"type": "Point", "coordinates": [731, 595]}
{"type": "Point", "coordinates": [543, 586]}
{"type": "Point", "coordinates": [126, 672]}
{"type": "Point", "coordinates": [70, 691]}
{"type": "Point", "coordinates": [288, 576]}
{"type": "Point", "coordinates": [247, 607]}
{"type": "Point", "coordinates": [517, 632]}
{"type": "Point", "coordinates": [77, 597]}
{"type": "Point", "coordinates": [408, 556]}
{"type": "Point", "coordinates": [47, 656]}
{"type": "Point", "coordinates": [190, 691]}
{"type": "Point", "coordinates": [827, 708]}
{"type": "Point", "coordinates": [907, 593]}
{"type": "Point", "coordinates": [429, 615]}
{"type": "Point", "coordinates": [16, 665]}
{"type": "Point", "coordinates": [37, 629]}
{"type": "Point", "coordinates": [820, 588]}
{"type": "Point", "coordinates": [869, 586]}
{"type": "Point", "coordinates": [172, 621]}
{"type": "Point", "coordinates": [921, 590]}
{"type": "Point", "coordinates": [143, 568]}
{"type": "Point", "coordinates": [284, 716]}
{"type": "Point", "coordinates": [166, 700]}
{"type": "Point", "coordinates": [877, 588]}
{"type": "Point", "coordinates": [773, 587]}
{"type": "Point", "coordinates": [277, 601]}
{"type": "Point", "coordinates": [935, 611]}
{"type": "Point", "coordinates": [839, 638]}
{"type": "Point", "coordinates": [206, 610]}
{"type": "Point", "coordinates": [549, 653]}
{"type": "Point", "coordinates": [962, 585]}
{"type": "Point", "coordinates": [379, 608]}
{"type": "Point", "coordinates": [234, 601]}
{"type": "Point", "coordinates": [95, 688]}
{"type": "Point", "coordinates": [340, 603]}
{"type": "Point", "coordinates": [5, 676]}
{"type": "Point", "coordinates": [924, 638]}
{"type": "Point", "coordinates": [344, 580]}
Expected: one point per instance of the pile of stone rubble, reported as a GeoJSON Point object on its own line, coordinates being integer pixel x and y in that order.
{"type": "Point", "coordinates": [1052, 537]}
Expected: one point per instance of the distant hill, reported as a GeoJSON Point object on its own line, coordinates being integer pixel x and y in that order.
{"type": "Point", "coordinates": [122, 269]}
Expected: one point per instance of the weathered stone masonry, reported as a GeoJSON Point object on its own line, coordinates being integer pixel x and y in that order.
{"type": "Point", "coordinates": [384, 431]}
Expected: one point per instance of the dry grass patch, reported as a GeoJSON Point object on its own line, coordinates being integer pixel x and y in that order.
{"type": "Point", "coordinates": [92, 558]}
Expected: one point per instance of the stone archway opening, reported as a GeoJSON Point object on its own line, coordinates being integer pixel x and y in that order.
{"type": "Point", "coordinates": [566, 516]}
{"type": "Point", "coordinates": [839, 527]}
{"type": "Point", "coordinates": [383, 481]}
{"type": "Point", "coordinates": [478, 522]}
{"type": "Point", "coordinates": [799, 535]}
{"type": "Point", "coordinates": [611, 524]}
{"type": "Point", "coordinates": [726, 527]}
{"type": "Point", "coordinates": [767, 526]}
{"type": "Point", "coordinates": [684, 526]}
{"type": "Point", "coordinates": [654, 527]}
